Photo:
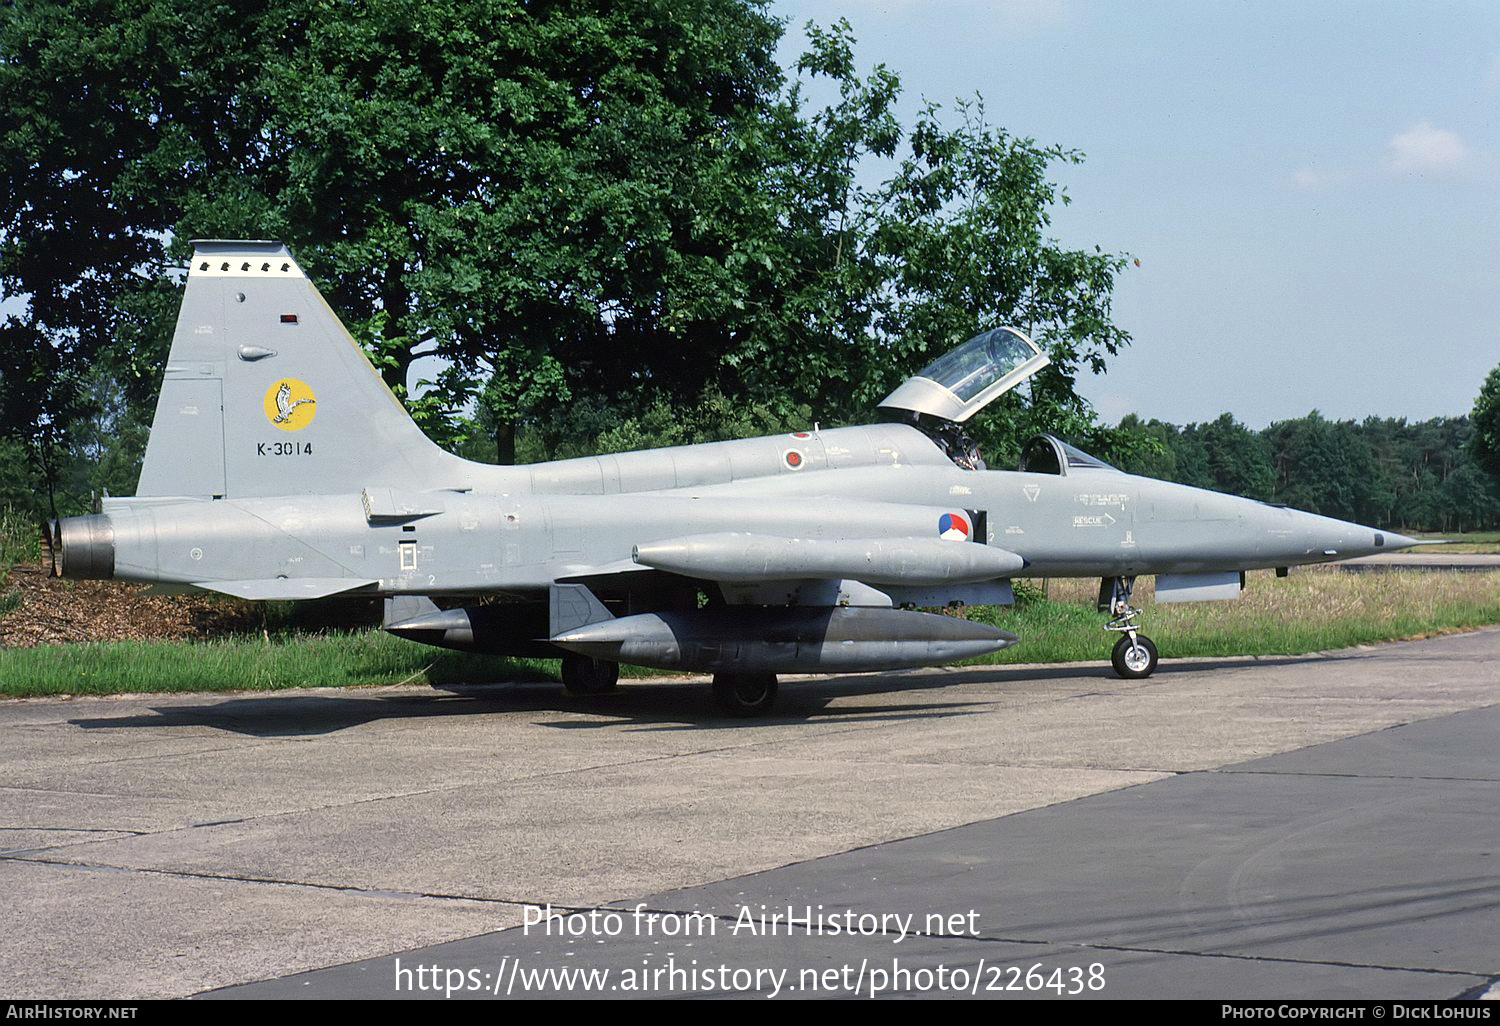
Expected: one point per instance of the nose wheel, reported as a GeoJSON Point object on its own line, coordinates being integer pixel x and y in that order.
{"type": "Point", "coordinates": [1134, 655]}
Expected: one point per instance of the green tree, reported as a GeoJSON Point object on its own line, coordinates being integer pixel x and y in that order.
{"type": "Point", "coordinates": [961, 231]}
{"type": "Point", "coordinates": [859, 285]}
{"type": "Point", "coordinates": [1153, 455]}
{"type": "Point", "coordinates": [105, 109]}
{"type": "Point", "coordinates": [1484, 444]}
{"type": "Point", "coordinates": [1411, 476]}
{"type": "Point", "coordinates": [518, 187]}
{"type": "Point", "coordinates": [572, 205]}
{"type": "Point", "coordinates": [1239, 461]}
{"type": "Point", "coordinates": [1327, 467]}
{"type": "Point", "coordinates": [1469, 498]}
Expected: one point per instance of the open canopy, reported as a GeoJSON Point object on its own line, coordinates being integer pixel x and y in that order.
{"type": "Point", "coordinates": [964, 381]}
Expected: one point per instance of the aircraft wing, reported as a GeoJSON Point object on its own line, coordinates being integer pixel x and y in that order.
{"type": "Point", "coordinates": [285, 588]}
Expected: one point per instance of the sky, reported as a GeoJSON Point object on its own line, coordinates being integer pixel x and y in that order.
{"type": "Point", "coordinates": [1312, 189]}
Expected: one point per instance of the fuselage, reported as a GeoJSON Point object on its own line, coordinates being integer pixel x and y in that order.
{"type": "Point", "coordinates": [520, 529]}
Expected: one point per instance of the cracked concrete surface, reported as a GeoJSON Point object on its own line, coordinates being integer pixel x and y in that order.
{"type": "Point", "coordinates": [168, 845]}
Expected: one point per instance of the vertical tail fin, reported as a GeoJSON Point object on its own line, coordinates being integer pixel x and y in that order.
{"type": "Point", "coordinates": [266, 393]}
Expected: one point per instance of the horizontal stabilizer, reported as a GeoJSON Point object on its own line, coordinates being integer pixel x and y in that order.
{"type": "Point", "coordinates": [164, 588]}
{"type": "Point", "coordinates": [390, 504]}
{"type": "Point", "coordinates": [752, 557]}
{"type": "Point", "coordinates": [437, 620]}
{"type": "Point", "coordinates": [606, 570]}
{"type": "Point", "coordinates": [286, 588]}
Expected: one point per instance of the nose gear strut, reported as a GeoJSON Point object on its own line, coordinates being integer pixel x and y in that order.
{"type": "Point", "coordinates": [1134, 655]}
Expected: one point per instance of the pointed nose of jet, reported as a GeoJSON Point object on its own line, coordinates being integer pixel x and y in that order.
{"type": "Point", "coordinates": [1398, 541]}
{"type": "Point", "coordinates": [1367, 541]}
{"type": "Point", "coordinates": [1329, 539]}
{"type": "Point", "coordinates": [1288, 537]}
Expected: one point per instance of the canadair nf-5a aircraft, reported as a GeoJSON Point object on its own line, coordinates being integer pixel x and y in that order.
{"type": "Point", "coordinates": [281, 467]}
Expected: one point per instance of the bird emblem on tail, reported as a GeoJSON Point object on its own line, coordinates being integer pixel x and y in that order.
{"type": "Point", "coordinates": [284, 402]}
{"type": "Point", "coordinates": [285, 405]}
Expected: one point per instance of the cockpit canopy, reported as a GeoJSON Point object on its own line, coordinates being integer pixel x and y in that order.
{"type": "Point", "coordinates": [1048, 454]}
{"type": "Point", "coordinates": [964, 381]}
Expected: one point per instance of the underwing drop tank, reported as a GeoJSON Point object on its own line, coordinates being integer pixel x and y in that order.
{"type": "Point", "coordinates": [744, 639]}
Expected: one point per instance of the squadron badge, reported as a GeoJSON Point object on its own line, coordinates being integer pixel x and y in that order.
{"type": "Point", "coordinates": [290, 405]}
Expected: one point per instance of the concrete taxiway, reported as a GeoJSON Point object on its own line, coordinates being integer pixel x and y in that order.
{"type": "Point", "coordinates": [1228, 828]}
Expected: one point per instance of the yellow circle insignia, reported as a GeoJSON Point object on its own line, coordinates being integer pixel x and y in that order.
{"type": "Point", "coordinates": [290, 405]}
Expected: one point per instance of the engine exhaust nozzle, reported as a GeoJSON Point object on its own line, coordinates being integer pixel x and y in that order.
{"type": "Point", "coordinates": [82, 548]}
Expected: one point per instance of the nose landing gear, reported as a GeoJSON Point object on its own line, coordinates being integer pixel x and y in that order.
{"type": "Point", "coordinates": [1134, 655]}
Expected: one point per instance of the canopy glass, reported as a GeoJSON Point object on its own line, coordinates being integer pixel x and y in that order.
{"type": "Point", "coordinates": [962, 382]}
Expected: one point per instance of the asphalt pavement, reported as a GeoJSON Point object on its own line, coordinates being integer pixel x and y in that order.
{"type": "Point", "coordinates": [1317, 826]}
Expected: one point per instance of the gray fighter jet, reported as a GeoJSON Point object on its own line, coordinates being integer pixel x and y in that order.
{"type": "Point", "coordinates": [280, 467]}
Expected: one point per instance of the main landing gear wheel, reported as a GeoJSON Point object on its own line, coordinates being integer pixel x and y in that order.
{"type": "Point", "coordinates": [584, 676]}
{"type": "Point", "coordinates": [745, 694]}
{"type": "Point", "coordinates": [1134, 657]}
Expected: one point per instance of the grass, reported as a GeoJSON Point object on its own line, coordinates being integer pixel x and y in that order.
{"type": "Point", "coordinates": [20, 539]}
{"type": "Point", "coordinates": [1311, 611]}
{"type": "Point", "coordinates": [362, 658]}
{"type": "Point", "coordinates": [20, 542]}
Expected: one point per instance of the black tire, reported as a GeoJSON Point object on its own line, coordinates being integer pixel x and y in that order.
{"type": "Point", "coordinates": [584, 676]}
{"type": "Point", "coordinates": [745, 694]}
{"type": "Point", "coordinates": [1129, 664]}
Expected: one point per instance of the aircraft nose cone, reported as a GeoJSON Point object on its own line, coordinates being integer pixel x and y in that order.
{"type": "Point", "coordinates": [1325, 538]}
{"type": "Point", "coordinates": [1359, 540]}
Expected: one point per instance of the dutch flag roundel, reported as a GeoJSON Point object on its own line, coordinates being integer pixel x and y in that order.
{"type": "Point", "coordinates": [953, 527]}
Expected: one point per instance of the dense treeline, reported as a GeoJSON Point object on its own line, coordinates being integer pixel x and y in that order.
{"type": "Point", "coordinates": [1421, 476]}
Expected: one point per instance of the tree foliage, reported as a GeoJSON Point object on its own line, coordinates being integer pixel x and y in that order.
{"type": "Point", "coordinates": [1484, 444]}
{"type": "Point", "coordinates": [1222, 455]}
{"type": "Point", "coordinates": [573, 205]}
{"type": "Point", "coordinates": [535, 191]}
